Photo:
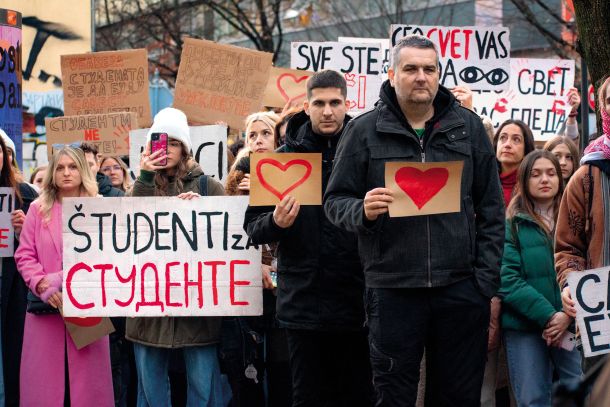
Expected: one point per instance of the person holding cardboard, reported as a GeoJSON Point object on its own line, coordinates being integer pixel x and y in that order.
{"type": "Point", "coordinates": [319, 287]}
{"type": "Point", "coordinates": [53, 370]}
{"type": "Point", "coordinates": [429, 278]}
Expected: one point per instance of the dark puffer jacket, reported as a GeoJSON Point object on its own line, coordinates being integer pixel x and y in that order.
{"type": "Point", "coordinates": [320, 281]}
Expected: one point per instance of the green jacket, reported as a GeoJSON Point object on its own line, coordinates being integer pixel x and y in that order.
{"type": "Point", "coordinates": [174, 332]}
{"type": "Point", "coordinates": [528, 285]}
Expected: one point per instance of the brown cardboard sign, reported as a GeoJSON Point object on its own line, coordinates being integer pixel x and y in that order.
{"type": "Point", "coordinates": [218, 82]}
{"type": "Point", "coordinates": [106, 82]}
{"type": "Point", "coordinates": [109, 132]}
{"type": "Point", "coordinates": [285, 85]}
{"type": "Point", "coordinates": [424, 188]}
{"type": "Point", "coordinates": [276, 175]}
{"type": "Point", "coordinates": [86, 330]}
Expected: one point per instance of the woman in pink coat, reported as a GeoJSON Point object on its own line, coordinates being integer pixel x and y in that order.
{"type": "Point", "coordinates": [47, 346]}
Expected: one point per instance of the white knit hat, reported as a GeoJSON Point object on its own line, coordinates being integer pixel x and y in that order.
{"type": "Point", "coordinates": [173, 122]}
{"type": "Point", "coordinates": [7, 140]}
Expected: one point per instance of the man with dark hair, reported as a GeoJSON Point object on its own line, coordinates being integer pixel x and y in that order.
{"type": "Point", "coordinates": [104, 185]}
{"type": "Point", "coordinates": [320, 281]}
{"type": "Point", "coordinates": [428, 278]}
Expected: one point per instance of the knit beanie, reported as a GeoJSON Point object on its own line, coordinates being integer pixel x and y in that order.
{"type": "Point", "coordinates": [173, 122]}
{"type": "Point", "coordinates": [7, 140]}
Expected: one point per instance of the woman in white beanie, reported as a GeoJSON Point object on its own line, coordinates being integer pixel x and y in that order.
{"type": "Point", "coordinates": [155, 337]}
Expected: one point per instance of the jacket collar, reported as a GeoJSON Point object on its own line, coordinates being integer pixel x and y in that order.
{"type": "Point", "coordinates": [54, 228]}
{"type": "Point", "coordinates": [300, 136]}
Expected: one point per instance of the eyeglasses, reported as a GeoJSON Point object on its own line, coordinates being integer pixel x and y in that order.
{"type": "Point", "coordinates": [111, 167]}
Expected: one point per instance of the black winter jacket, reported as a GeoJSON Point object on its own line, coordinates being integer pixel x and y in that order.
{"type": "Point", "coordinates": [420, 251]}
{"type": "Point", "coordinates": [105, 188]}
{"type": "Point", "coordinates": [320, 280]}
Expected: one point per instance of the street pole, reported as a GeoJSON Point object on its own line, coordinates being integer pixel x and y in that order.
{"type": "Point", "coordinates": [92, 25]}
{"type": "Point", "coordinates": [584, 105]}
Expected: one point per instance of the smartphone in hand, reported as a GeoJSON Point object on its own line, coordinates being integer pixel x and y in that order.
{"type": "Point", "coordinates": [158, 141]}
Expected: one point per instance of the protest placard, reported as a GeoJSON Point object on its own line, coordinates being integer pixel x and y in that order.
{"type": "Point", "coordinates": [86, 330]}
{"type": "Point", "coordinates": [285, 85]}
{"type": "Point", "coordinates": [478, 57]}
{"type": "Point", "coordinates": [151, 256]}
{"type": "Point", "coordinates": [107, 82]}
{"type": "Point", "coordinates": [218, 82]}
{"type": "Point", "coordinates": [590, 291]}
{"type": "Point", "coordinates": [276, 175]}
{"type": "Point", "coordinates": [360, 65]}
{"type": "Point", "coordinates": [385, 50]}
{"type": "Point", "coordinates": [424, 188]}
{"type": "Point", "coordinates": [537, 96]}
{"type": "Point", "coordinates": [209, 149]}
{"type": "Point", "coordinates": [7, 232]}
{"type": "Point", "coordinates": [109, 132]}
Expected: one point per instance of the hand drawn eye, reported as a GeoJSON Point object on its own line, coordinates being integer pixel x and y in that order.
{"type": "Point", "coordinates": [496, 76]}
{"type": "Point", "coordinates": [472, 74]}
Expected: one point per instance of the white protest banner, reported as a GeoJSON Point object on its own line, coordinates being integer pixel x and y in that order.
{"type": "Point", "coordinates": [209, 149]}
{"type": "Point", "coordinates": [360, 65]}
{"type": "Point", "coordinates": [7, 205]}
{"type": "Point", "coordinates": [537, 96]}
{"type": "Point", "coordinates": [151, 256]}
{"type": "Point", "coordinates": [477, 57]}
{"type": "Point", "coordinates": [385, 50]}
{"type": "Point", "coordinates": [590, 291]}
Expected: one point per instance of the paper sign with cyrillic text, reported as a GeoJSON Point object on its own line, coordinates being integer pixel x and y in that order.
{"type": "Point", "coordinates": [477, 57]}
{"type": "Point", "coordinates": [209, 150]}
{"type": "Point", "coordinates": [424, 188]}
{"type": "Point", "coordinates": [589, 289]}
{"type": "Point", "coordinates": [7, 232]}
{"type": "Point", "coordinates": [107, 82]}
{"type": "Point", "coordinates": [159, 256]}
{"type": "Point", "coordinates": [286, 85]}
{"type": "Point", "coordinates": [274, 176]}
{"type": "Point", "coordinates": [109, 132]}
{"type": "Point", "coordinates": [219, 82]}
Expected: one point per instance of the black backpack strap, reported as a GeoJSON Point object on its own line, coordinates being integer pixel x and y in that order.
{"type": "Point", "coordinates": [203, 185]}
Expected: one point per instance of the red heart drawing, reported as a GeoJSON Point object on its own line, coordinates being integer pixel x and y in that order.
{"type": "Point", "coordinates": [282, 167]}
{"type": "Point", "coordinates": [86, 322]}
{"type": "Point", "coordinates": [351, 104]}
{"type": "Point", "coordinates": [421, 186]}
{"type": "Point", "coordinates": [350, 79]}
{"type": "Point", "coordinates": [295, 79]}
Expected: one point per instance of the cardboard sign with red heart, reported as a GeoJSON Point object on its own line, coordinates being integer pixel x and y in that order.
{"type": "Point", "coordinates": [286, 85]}
{"type": "Point", "coordinates": [424, 188]}
{"type": "Point", "coordinates": [274, 176]}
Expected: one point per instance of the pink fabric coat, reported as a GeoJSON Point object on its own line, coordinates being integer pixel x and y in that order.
{"type": "Point", "coordinates": [46, 339]}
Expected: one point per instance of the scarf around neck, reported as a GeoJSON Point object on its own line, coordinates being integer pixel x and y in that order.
{"type": "Point", "coordinates": [599, 149]}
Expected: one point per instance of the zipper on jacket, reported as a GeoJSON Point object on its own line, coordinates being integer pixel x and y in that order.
{"type": "Point", "coordinates": [423, 160]}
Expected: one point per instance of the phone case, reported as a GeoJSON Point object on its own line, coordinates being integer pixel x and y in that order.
{"type": "Point", "coordinates": [158, 141]}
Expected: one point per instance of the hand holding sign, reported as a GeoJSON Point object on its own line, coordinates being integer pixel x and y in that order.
{"type": "Point", "coordinates": [276, 176]}
{"type": "Point", "coordinates": [376, 202]}
{"type": "Point", "coordinates": [424, 188]}
{"type": "Point", "coordinates": [286, 212]}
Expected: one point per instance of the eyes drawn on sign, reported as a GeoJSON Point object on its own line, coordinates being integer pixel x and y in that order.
{"type": "Point", "coordinates": [283, 168]}
{"type": "Point", "coordinates": [473, 74]}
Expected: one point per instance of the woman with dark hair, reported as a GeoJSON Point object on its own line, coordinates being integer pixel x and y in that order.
{"type": "Point", "coordinates": [13, 292]}
{"type": "Point", "coordinates": [566, 153]}
{"type": "Point", "coordinates": [533, 321]}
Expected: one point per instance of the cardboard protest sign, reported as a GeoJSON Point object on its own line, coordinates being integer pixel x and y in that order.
{"type": "Point", "coordinates": [590, 291]}
{"type": "Point", "coordinates": [7, 232]}
{"type": "Point", "coordinates": [151, 256]}
{"type": "Point", "coordinates": [285, 85]}
{"type": "Point", "coordinates": [359, 63]}
{"type": "Point", "coordinates": [86, 330]}
{"type": "Point", "coordinates": [276, 175]}
{"type": "Point", "coordinates": [107, 82]}
{"type": "Point", "coordinates": [424, 188]}
{"type": "Point", "coordinates": [220, 82]}
{"type": "Point", "coordinates": [109, 132]}
{"type": "Point", "coordinates": [477, 57]}
{"type": "Point", "coordinates": [537, 96]}
{"type": "Point", "coordinates": [385, 50]}
{"type": "Point", "coordinates": [209, 149]}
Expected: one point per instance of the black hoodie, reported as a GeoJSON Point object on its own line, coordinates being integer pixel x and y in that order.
{"type": "Point", "coordinates": [320, 280]}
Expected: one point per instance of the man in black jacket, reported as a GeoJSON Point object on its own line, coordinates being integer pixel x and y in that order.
{"type": "Point", "coordinates": [320, 281]}
{"type": "Point", "coordinates": [428, 278]}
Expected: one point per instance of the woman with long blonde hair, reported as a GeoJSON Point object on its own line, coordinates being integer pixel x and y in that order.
{"type": "Point", "coordinates": [54, 372]}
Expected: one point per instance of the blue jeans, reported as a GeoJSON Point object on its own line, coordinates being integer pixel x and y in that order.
{"type": "Point", "coordinates": [202, 374]}
{"type": "Point", "coordinates": [531, 364]}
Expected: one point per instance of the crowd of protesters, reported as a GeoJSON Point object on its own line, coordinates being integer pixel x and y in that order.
{"type": "Point", "coordinates": [359, 308]}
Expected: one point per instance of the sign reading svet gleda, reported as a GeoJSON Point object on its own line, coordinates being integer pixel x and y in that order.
{"type": "Point", "coordinates": [159, 257]}
{"type": "Point", "coordinates": [478, 57]}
